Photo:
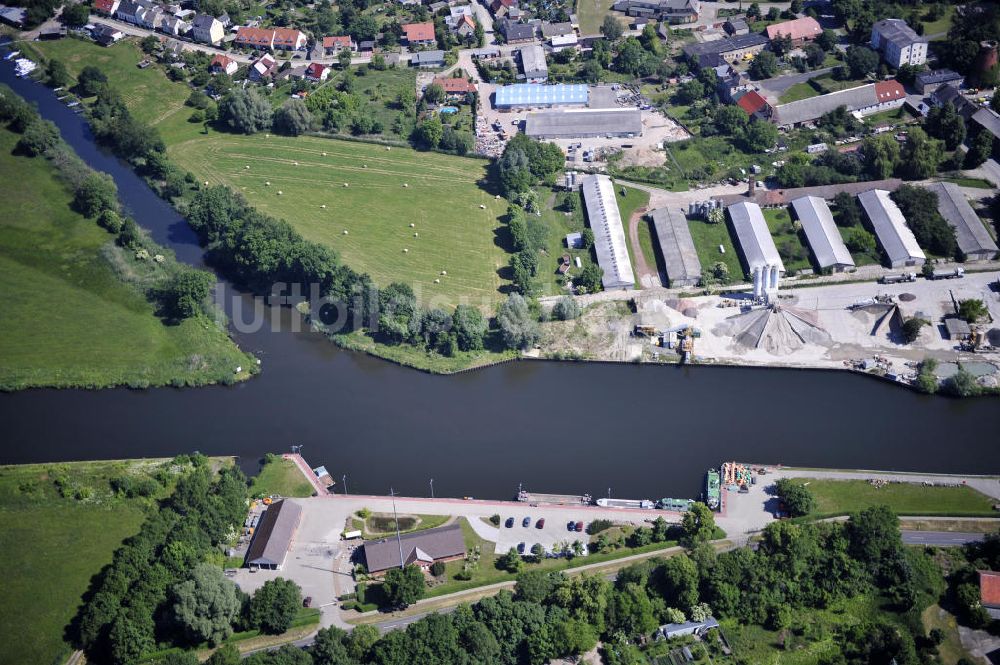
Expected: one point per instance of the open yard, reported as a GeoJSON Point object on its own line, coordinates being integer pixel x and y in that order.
{"type": "Point", "coordinates": [591, 13]}
{"type": "Point", "coordinates": [707, 238]}
{"type": "Point", "coordinates": [798, 91]}
{"type": "Point", "coordinates": [68, 320]}
{"type": "Point", "coordinates": [398, 214]}
{"type": "Point", "coordinates": [794, 253]}
{"type": "Point", "coordinates": [41, 524]}
{"type": "Point", "coordinates": [845, 496]}
{"type": "Point", "coordinates": [282, 477]}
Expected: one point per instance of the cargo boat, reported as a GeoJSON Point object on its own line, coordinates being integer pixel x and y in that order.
{"type": "Point", "coordinates": [712, 493]}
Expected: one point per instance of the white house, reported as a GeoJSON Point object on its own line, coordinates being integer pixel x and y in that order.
{"type": "Point", "coordinates": [207, 29]}
{"type": "Point", "coordinates": [899, 44]}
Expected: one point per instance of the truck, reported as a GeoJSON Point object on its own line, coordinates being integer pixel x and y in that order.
{"type": "Point", "coordinates": [900, 278]}
{"type": "Point", "coordinates": [954, 273]}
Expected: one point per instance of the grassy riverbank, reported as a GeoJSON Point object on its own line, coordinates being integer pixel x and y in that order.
{"type": "Point", "coordinates": [282, 477]}
{"type": "Point", "coordinates": [59, 525]}
{"type": "Point", "coordinates": [69, 319]}
{"type": "Point", "coordinates": [837, 497]}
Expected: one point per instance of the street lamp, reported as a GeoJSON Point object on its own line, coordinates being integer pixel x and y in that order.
{"type": "Point", "coordinates": [395, 519]}
{"type": "Point", "coordinates": [432, 488]}
{"type": "Point", "coordinates": [344, 478]}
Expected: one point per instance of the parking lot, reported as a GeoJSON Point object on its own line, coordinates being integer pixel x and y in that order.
{"type": "Point", "coordinates": [553, 536]}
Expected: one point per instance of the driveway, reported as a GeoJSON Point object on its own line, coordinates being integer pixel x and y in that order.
{"type": "Point", "coordinates": [774, 88]}
{"type": "Point", "coordinates": [646, 274]}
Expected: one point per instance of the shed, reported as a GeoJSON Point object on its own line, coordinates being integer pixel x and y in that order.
{"type": "Point", "coordinates": [957, 329]}
{"type": "Point", "coordinates": [973, 238]}
{"type": "Point", "coordinates": [574, 240]}
{"type": "Point", "coordinates": [823, 236]}
{"type": "Point", "coordinates": [754, 237]}
{"type": "Point", "coordinates": [273, 536]}
{"type": "Point", "coordinates": [679, 254]}
{"type": "Point", "coordinates": [890, 227]}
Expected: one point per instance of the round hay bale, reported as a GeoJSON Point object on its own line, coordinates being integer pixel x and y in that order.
{"type": "Point", "coordinates": [346, 185]}
{"type": "Point", "coordinates": [388, 147]}
{"type": "Point", "coordinates": [437, 281]}
{"type": "Point", "coordinates": [497, 197]}
{"type": "Point", "coordinates": [405, 250]}
{"type": "Point", "coordinates": [267, 136]}
{"type": "Point", "coordinates": [416, 235]}
{"type": "Point", "coordinates": [247, 167]}
{"type": "Point", "coordinates": [296, 163]}
{"type": "Point", "coordinates": [482, 207]}
{"type": "Point", "coordinates": [405, 184]}
{"type": "Point", "coordinates": [206, 183]}
{"type": "Point", "coordinates": [267, 184]}
{"type": "Point", "coordinates": [412, 225]}
{"type": "Point", "coordinates": [364, 166]}
{"type": "Point", "coordinates": [345, 232]}
{"type": "Point", "coordinates": [280, 192]}
{"type": "Point", "coordinates": [324, 154]}
{"type": "Point", "coordinates": [323, 206]}
{"type": "Point", "coordinates": [444, 272]}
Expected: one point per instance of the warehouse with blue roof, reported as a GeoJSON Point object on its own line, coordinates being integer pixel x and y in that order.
{"type": "Point", "coordinates": [534, 95]}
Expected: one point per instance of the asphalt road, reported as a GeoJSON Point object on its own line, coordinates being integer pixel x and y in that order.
{"type": "Point", "coordinates": [774, 88]}
{"type": "Point", "coordinates": [939, 538]}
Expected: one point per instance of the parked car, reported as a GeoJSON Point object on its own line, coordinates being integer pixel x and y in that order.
{"type": "Point", "coordinates": [520, 548]}
{"type": "Point", "coordinates": [525, 522]}
{"type": "Point", "coordinates": [571, 526]}
{"type": "Point", "coordinates": [579, 526]}
{"type": "Point", "coordinates": [307, 601]}
{"type": "Point", "coordinates": [540, 523]}
{"type": "Point", "coordinates": [509, 523]}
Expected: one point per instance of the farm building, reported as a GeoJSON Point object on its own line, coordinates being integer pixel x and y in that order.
{"type": "Point", "coordinates": [609, 235]}
{"type": "Point", "coordinates": [274, 535]}
{"type": "Point", "coordinates": [863, 100]}
{"type": "Point", "coordinates": [533, 64]}
{"type": "Point", "coordinates": [823, 236]}
{"type": "Point", "coordinates": [527, 95]}
{"type": "Point", "coordinates": [668, 11]}
{"type": "Point", "coordinates": [928, 82]}
{"type": "Point", "coordinates": [754, 105]}
{"type": "Point", "coordinates": [677, 247]}
{"type": "Point", "coordinates": [754, 238]}
{"type": "Point", "coordinates": [736, 26]}
{"type": "Point", "coordinates": [973, 238]}
{"type": "Point", "coordinates": [731, 49]}
{"type": "Point", "coordinates": [583, 123]}
{"type": "Point", "coordinates": [897, 240]}
{"type": "Point", "coordinates": [422, 548]}
{"type": "Point", "coordinates": [800, 30]}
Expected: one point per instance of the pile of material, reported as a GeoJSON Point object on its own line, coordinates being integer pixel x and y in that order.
{"type": "Point", "coordinates": [777, 330]}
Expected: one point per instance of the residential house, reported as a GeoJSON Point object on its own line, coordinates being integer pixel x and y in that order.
{"type": "Point", "coordinates": [670, 11]}
{"type": "Point", "coordinates": [672, 630]}
{"type": "Point", "coordinates": [335, 44]}
{"type": "Point", "coordinates": [222, 64]}
{"type": "Point", "coordinates": [466, 27]}
{"type": "Point", "coordinates": [289, 39]}
{"type": "Point", "coordinates": [427, 59]}
{"type": "Point", "coordinates": [898, 43]}
{"type": "Point", "coordinates": [801, 30]}
{"type": "Point", "coordinates": [501, 8]}
{"type": "Point", "coordinates": [225, 21]}
{"type": "Point", "coordinates": [316, 72]}
{"type": "Point", "coordinates": [927, 82]}
{"type": "Point", "coordinates": [989, 592]}
{"type": "Point", "coordinates": [106, 35]}
{"type": "Point", "coordinates": [263, 68]}
{"type": "Point", "coordinates": [564, 42]}
{"type": "Point", "coordinates": [419, 34]}
{"type": "Point", "coordinates": [735, 26]}
{"type": "Point", "coordinates": [550, 30]}
{"type": "Point", "coordinates": [456, 88]}
{"type": "Point", "coordinates": [455, 15]}
{"type": "Point", "coordinates": [207, 29]}
{"type": "Point", "coordinates": [949, 93]}
{"type": "Point", "coordinates": [732, 49]}
{"type": "Point", "coordinates": [258, 38]}
{"type": "Point", "coordinates": [366, 46]}
{"type": "Point", "coordinates": [132, 11]}
{"type": "Point", "coordinates": [174, 26]}
{"type": "Point", "coordinates": [421, 548]}
{"type": "Point", "coordinates": [517, 33]}
{"type": "Point", "coordinates": [754, 105]}
{"type": "Point", "coordinates": [730, 83]}
{"type": "Point", "coordinates": [106, 7]}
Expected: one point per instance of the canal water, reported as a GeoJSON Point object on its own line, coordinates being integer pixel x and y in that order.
{"type": "Point", "coordinates": [634, 431]}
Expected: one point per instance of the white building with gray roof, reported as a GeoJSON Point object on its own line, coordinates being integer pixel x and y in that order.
{"type": "Point", "coordinates": [899, 43]}
{"type": "Point", "coordinates": [823, 235]}
{"type": "Point", "coordinates": [897, 240]}
{"type": "Point", "coordinates": [754, 237]}
{"type": "Point", "coordinates": [679, 254]}
{"type": "Point", "coordinates": [533, 64]}
{"type": "Point", "coordinates": [583, 123]}
{"type": "Point", "coordinates": [973, 238]}
{"type": "Point", "coordinates": [609, 235]}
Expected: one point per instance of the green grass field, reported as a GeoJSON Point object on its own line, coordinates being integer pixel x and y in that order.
{"type": "Point", "coordinates": [591, 14]}
{"type": "Point", "coordinates": [630, 200]}
{"type": "Point", "coordinates": [797, 92]}
{"type": "Point", "coordinates": [56, 545]}
{"type": "Point", "coordinates": [845, 496]}
{"type": "Point", "coordinates": [707, 238]}
{"type": "Point", "coordinates": [794, 253]}
{"type": "Point", "coordinates": [282, 477]}
{"type": "Point", "coordinates": [455, 219]}
{"type": "Point", "coordinates": [67, 319]}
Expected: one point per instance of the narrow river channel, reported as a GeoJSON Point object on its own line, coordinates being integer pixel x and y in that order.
{"type": "Point", "coordinates": [640, 431]}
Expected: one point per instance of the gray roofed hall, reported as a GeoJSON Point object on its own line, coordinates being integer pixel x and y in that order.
{"type": "Point", "coordinates": [754, 237]}
{"type": "Point", "coordinates": [427, 57]}
{"type": "Point", "coordinates": [274, 534]}
{"type": "Point", "coordinates": [890, 226]}
{"type": "Point", "coordinates": [609, 235]}
{"type": "Point", "coordinates": [973, 238]}
{"type": "Point", "coordinates": [896, 30]}
{"type": "Point", "coordinates": [533, 62]}
{"type": "Point", "coordinates": [812, 108]}
{"type": "Point", "coordinates": [725, 45]}
{"type": "Point", "coordinates": [823, 236]}
{"type": "Point", "coordinates": [677, 247]}
{"type": "Point", "coordinates": [431, 545]}
{"type": "Point", "coordinates": [937, 76]}
{"type": "Point", "coordinates": [988, 120]}
{"type": "Point", "coordinates": [583, 123]}
{"type": "Point", "coordinates": [556, 29]}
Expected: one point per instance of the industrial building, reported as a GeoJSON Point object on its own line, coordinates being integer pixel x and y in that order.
{"type": "Point", "coordinates": [273, 536]}
{"type": "Point", "coordinates": [973, 238]}
{"type": "Point", "coordinates": [756, 243]}
{"type": "Point", "coordinates": [731, 49]}
{"type": "Point", "coordinates": [824, 238]}
{"type": "Point", "coordinates": [863, 100]}
{"type": "Point", "coordinates": [901, 248]}
{"type": "Point", "coordinates": [583, 123]}
{"type": "Point", "coordinates": [679, 254]}
{"type": "Point", "coordinates": [533, 64]}
{"type": "Point", "coordinates": [799, 30]}
{"type": "Point", "coordinates": [422, 548]}
{"type": "Point", "coordinates": [667, 11]}
{"type": "Point", "coordinates": [534, 95]}
{"type": "Point", "coordinates": [898, 43]}
{"type": "Point", "coordinates": [609, 235]}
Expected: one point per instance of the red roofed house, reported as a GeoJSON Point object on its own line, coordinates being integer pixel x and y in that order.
{"type": "Point", "coordinates": [889, 91]}
{"type": "Point", "coordinates": [465, 26]}
{"type": "Point", "coordinates": [106, 7]}
{"type": "Point", "coordinates": [317, 72]}
{"type": "Point", "coordinates": [801, 30]}
{"type": "Point", "coordinates": [289, 39]}
{"type": "Point", "coordinates": [989, 592]}
{"type": "Point", "coordinates": [223, 65]}
{"type": "Point", "coordinates": [455, 87]}
{"type": "Point", "coordinates": [500, 8]}
{"type": "Point", "coordinates": [254, 37]}
{"type": "Point", "coordinates": [419, 34]}
{"type": "Point", "coordinates": [334, 45]}
{"type": "Point", "coordinates": [754, 105]}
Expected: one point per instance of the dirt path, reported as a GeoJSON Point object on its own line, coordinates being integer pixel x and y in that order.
{"type": "Point", "coordinates": [646, 275]}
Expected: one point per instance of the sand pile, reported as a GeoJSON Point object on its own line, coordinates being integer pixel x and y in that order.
{"type": "Point", "coordinates": [779, 331]}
